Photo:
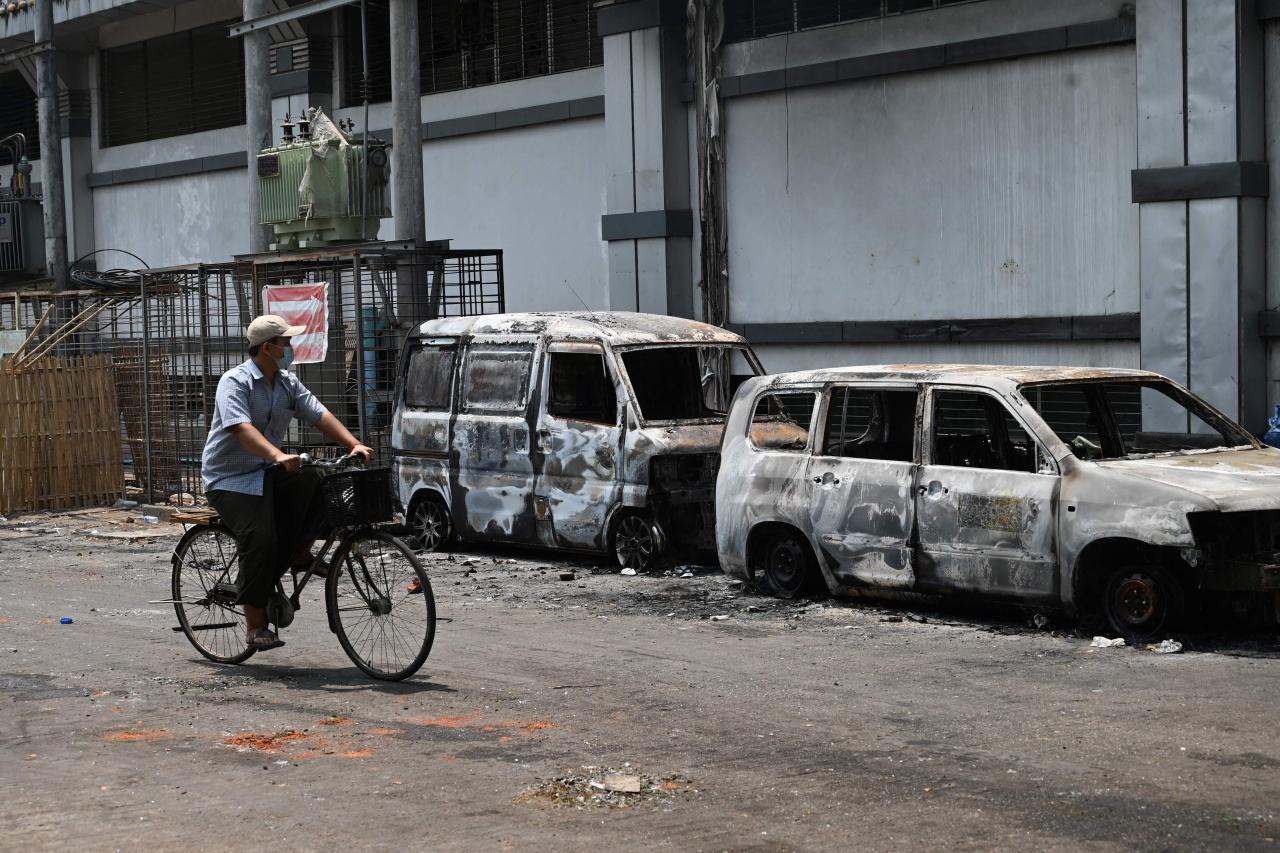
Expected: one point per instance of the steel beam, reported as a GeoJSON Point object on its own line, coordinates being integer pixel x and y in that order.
{"type": "Point", "coordinates": [315, 7]}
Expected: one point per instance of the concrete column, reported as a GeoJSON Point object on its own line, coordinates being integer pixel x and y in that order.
{"type": "Point", "coordinates": [648, 224]}
{"type": "Point", "coordinates": [257, 113]}
{"type": "Point", "coordinates": [55, 210]}
{"type": "Point", "coordinates": [407, 198]}
{"type": "Point", "coordinates": [1203, 248]}
{"type": "Point", "coordinates": [75, 106]}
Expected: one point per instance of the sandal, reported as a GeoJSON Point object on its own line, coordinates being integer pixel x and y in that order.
{"type": "Point", "coordinates": [318, 567]}
{"type": "Point", "coordinates": [261, 639]}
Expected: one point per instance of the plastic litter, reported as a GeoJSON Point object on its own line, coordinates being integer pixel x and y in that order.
{"type": "Point", "coordinates": [1166, 647]}
{"type": "Point", "coordinates": [66, 620]}
{"type": "Point", "coordinates": [686, 574]}
{"type": "Point", "coordinates": [1107, 643]}
{"type": "Point", "coordinates": [628, 572]}
{"type": "Point", "coordinates": [150, 519]}
{"type": "Point", "coordinates": [718, 618]}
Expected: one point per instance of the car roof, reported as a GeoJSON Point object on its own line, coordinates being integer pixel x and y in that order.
{"type": "Point", "coordinates": [1001, 377]}
{"type": "Point", "coordinates": [616, 327]}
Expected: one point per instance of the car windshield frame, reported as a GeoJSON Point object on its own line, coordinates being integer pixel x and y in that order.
{"type": "Point", "coordinates": [621, 351]}
{"type": "Point", "coordinates": [1194, 405]}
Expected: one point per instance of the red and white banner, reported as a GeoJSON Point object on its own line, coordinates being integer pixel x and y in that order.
{"type": "Point", "coordinates": [302, 305]}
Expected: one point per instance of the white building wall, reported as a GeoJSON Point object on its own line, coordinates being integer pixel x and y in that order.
{"type": "Point", "coordinates": [175, 220]}
{"type": "Point", "coordinates": [537, 193]}
{"type": "Point", "coordinates": [999, 189]}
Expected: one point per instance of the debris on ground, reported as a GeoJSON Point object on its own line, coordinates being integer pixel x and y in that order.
{"type": "Point", "coordinates": [567, 576]}
{"type": "Point", "coordinates": [1166, 647]}
{"type": "Point", "coordinates": [1107, 643]}
{"type": "Point", "coordinates": [628, 571]}
{"type": "Point", "coordinates": [719, 618]}
{"type": "Point", "coordinates": [891, 619]}
{"type": "Point", "coordinates": [1039, 621]}
{"type": "Point", "coordinates": [600, 788]}
{"type": "Point", "coordinates": [66, 620]}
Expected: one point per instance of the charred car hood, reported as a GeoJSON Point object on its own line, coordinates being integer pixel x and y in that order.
{"type": "Point", "coordinates": [1232, 479]}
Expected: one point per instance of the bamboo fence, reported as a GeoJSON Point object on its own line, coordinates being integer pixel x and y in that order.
{"type": "Point", "coordinates": [59, 435]}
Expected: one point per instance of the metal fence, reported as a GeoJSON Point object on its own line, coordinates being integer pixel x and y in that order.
{"type": "Point", "coordinates": [176, 331]}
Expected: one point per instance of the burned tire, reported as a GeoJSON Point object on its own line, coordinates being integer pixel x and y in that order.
{"type": "Point", "coordinates": [430, 527]}
{"type": "Point", "coordinates": [1142, 603]}
{"type": "Point", "coordinates": [636, 542]}
{"type": "Point", "coordinates": [787, 565]}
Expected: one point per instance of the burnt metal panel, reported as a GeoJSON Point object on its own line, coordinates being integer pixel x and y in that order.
{"type": "Point", "coordinates": [793, 333]}
{"type": "Point", "coordinates": [1013, 328]}
{"type": "Point", "coordinates": [1107, 327]}
{"type": "Point", "coordinates": [888, 331]}
{"type": "Point", "coordinates": [1205, 180]}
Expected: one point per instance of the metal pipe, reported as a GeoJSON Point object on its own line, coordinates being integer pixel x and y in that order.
{"type": "Point", "coordinates": [257, 94]}
{"type": "Point", "coordinates": [146, 389]}
{"type": "Point", "coordinates": [361, 391]}
{"type": "Point", "coordinates": [55, 203]}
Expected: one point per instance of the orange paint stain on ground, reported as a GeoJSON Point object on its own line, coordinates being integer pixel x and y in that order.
{"type": "Point", "coordinates": [459, 722]}
{"type": "Point", "coordinates": [272, 742]}
{"type": "Point", "coordinates": [383, 731]}
{"type": "Point", "coordinates": [137, 735]}
{"type": "Point", "coordinates": [336, 721]}
{"type": "Point", "coordinates": [357, 753]}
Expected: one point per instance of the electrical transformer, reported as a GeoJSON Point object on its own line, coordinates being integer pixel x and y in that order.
{"type": "Point", "coordinates": [321, 187]}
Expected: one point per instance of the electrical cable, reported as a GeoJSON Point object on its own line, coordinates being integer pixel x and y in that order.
{"type": "Point", "coordinates": [114, 281]}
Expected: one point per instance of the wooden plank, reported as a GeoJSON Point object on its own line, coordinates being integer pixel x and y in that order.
{"type": "Point", "coordinates": [16, 355]}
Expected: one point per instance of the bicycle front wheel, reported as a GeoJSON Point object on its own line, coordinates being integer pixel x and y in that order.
{"type": "Point", "coordinates": [385, 621]}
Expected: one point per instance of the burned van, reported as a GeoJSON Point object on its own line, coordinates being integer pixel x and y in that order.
{"type": "Point", "coordinates": [581, 431]}
{"type": "Point", "coordinates": [1114, 492]}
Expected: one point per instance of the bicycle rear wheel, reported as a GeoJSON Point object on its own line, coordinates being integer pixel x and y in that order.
{"type": "Point", "coordinates": [206, 556]}
{"type": "Point", "coordinates": [384, 625]}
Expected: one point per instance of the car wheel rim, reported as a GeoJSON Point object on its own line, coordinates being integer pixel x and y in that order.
{"type": "Point", "coordinates": [430, 526]}
{"type": "Point", "coordinates": [634, 543]}
{"type": "Point", "coordinates": [786, 566]}
{"type": "Point", "coordinates": [1137, 600]}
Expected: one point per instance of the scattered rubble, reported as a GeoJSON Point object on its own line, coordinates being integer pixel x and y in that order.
{"type": "Point", "coordinates": [598, 787]}
{"type": "Point", "coordinates": [1165, 647]}
{"type": "Point", "coordinates": [1107, 643]}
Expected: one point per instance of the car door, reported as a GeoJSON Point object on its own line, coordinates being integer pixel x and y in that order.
{"type": "Point", "coordinates": [424, 410]}
{"type": "Point", "coordinates": [860, 482]}
{"type": "Point", "coordinates": [986, 500]}
{"type": "Point", "coordinates": [493, 489]}
{"type": "Point", "coordinates": [579, 446]}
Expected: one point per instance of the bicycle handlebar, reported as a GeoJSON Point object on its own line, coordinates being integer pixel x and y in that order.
{"type": "Point", "coordinates": [307, 460]}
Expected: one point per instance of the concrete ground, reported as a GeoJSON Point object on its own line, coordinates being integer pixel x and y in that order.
{"type": "Point", "coordinates": [788, 726]}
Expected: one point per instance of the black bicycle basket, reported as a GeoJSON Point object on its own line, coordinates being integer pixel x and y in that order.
{"type": "Point", "coordinates": [358, 496]}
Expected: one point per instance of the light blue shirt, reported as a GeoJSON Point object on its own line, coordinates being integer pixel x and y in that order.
{"type": "Point", "coordinates": [245, 396]}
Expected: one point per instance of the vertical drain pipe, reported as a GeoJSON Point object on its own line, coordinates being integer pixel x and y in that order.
{"type": "Point", "coordinates": [55, 202]}
{"type": "Point", "coordinates": [257, 117]}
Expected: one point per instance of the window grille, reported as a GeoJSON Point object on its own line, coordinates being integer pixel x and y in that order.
{"type": "Point", "coordinates": [467, 43]}
{"type": "Point", "coordinates": [18, 114]}
{"type": "Point", "coordinates": [183, 83]}
{"type": "Point", "coordinates": [752, 19]}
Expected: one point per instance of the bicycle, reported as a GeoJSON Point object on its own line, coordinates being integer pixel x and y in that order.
{"type": "Point", "coordinates": [369, 594]}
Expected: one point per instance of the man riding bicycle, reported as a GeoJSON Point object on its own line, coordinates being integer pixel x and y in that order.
{"type": "Point", "coordinates": [270, 503]}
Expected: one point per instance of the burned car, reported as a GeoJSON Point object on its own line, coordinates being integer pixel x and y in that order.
{"type": "Point", "coordinates": [1109, 492]}
{"type": "Point", "coordinates": [580, 431]}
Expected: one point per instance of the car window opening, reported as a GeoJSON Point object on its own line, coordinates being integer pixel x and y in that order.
{"type": "Point", "coordinates": [976, 431]}
{"type": "Point", "coordinates": [430, 378]}
{"type": "Point", "coordinates": [581, 388]}
{"type": "Point", "coordinates": [782, 421]}
{"type": "Point", "coordinates": [1108, 420]}
{"type": "Point", "coordinates": [679, 383]}
{"type": "Point", "coordinates": [864, 423]}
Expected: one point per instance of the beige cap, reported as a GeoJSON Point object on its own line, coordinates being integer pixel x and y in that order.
{"type": "Point", "coordinates": [269, 326]}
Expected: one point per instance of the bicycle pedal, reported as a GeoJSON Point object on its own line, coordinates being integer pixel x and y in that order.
{"type": "Point", "coordinates": [225, 593]}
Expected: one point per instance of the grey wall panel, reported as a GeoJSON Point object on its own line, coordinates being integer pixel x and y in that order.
{"type": "Point", "coordinates": [620, 185]}
{"type": "Point", "coordinates": [622, 276]}
{"type": "Point", "coordinates": [534, 192]}
{"type": "Point", "coordinates": [1160, 91]}
{"type": "Point", "coordinates": [1163, 229]}
{"type": "Point", "coordinates": [176, 220]}
{"type": "Point", "coordinates": [647, 114]}
{"type": "Point", "coordinates": [1213, 304]}
{"type": "Point", "coordinates": [779, 358]}
{"type": "Point", "coordinates": [651, 276]}
{"type": "Point", "coordinates": [1211, 82]}
{"type": "Point", "coordinates": [984, 191]}
{"type": "Point", "coordinates": [906, 32]}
